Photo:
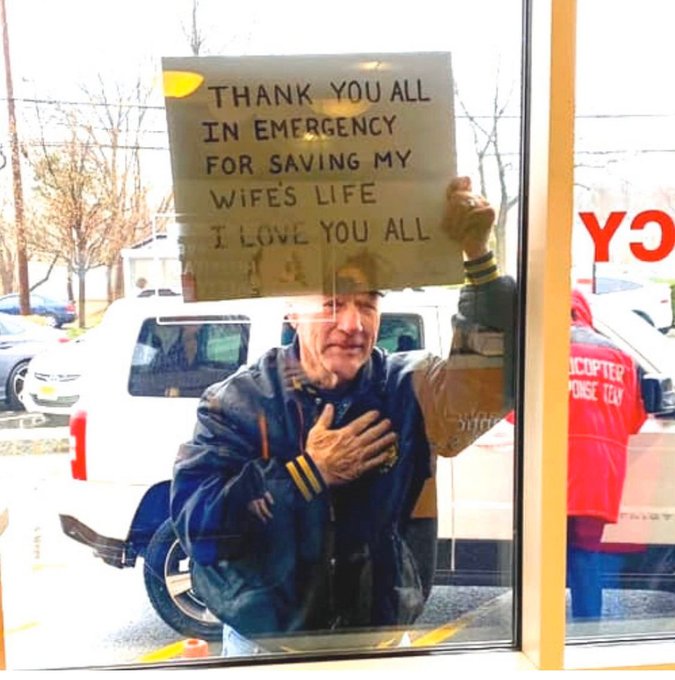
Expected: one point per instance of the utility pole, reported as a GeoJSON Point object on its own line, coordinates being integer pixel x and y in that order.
{"type": "Point", "coordinates": [21, 258]}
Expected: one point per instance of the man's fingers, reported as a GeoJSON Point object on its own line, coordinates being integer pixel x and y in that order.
{"type": "Point", "coordinates": [459, 184]}
{"type": "Point", "coordinates": [374, 449]}
{"type": "Point", "coordinates": [358, 425]}
{"type": "Point", "coordinates": [375, 461]}
{"type": "Point", "coordinates": [325, 419]}
{"type": "Point", "coordinates": [260, 509]}
{"type": "Point", "coordinates": [374, 432]}
{"type": "Point", "coordinates": [254, 509]}
{"type": "Point", "coordinates": [264, 509]}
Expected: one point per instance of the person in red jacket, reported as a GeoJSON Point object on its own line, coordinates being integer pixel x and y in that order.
{"type": "Point", "coordinates": [605, 408]}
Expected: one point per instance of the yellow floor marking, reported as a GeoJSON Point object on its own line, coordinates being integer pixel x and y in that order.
{"type": "Point", "coordinates": [169, 652]}
{"type": "Point", "coordinates": [40, 566]}
{"type": "Point", "coordinates": [438, 635]}
{"type": "Point", "coordinates": [22, 627]}
{"type": "Point", "coordinates": [386, 643]}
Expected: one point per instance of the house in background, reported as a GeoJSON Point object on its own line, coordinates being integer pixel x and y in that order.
{"type": "Point", "coordinates": [153, 262]}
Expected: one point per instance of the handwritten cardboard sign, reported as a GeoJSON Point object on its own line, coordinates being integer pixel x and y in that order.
{"type": "Point", "coordinates": [303, 174]}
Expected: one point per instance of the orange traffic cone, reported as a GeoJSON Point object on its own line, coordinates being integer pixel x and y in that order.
{"type": "Point", "coordinates": [195, 648]}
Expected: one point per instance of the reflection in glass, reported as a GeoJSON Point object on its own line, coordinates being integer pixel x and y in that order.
{"type": "Point", "coordinates": [623, 142]}
{"type": "Point", "coordinates": [128, 426]}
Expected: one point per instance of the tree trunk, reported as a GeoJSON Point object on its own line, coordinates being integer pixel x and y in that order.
{"type": "Point", "coordinates": [70, 293]}
{"type": "Point", "coordinates": [119, 279]}
{"type": "Point", "coordinates": [81, 296]}
{"type": "Point", "coordinates": [109, 283]}
{"type": "Point", "coordinates": [7, 278]}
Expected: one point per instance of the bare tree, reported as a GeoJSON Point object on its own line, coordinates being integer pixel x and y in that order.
{"type": "Point", "coordinates": [197, 37]}
{"type": "Point", "coordinates": [68, 186]}
{"type": "Point", "coordinates": [491, 159]}
{"type": "Point", "coordinates": [93, 194]}
{"type": "Point", "coordinates": [7, 256]}
{"type": "Point", "coordinates": [193, 33]}
{"type": "Point", "coordinates": [116, 130]}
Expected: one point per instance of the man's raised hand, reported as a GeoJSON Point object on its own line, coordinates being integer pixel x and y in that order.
{"type": "Point", "coordinates": [468, 218]}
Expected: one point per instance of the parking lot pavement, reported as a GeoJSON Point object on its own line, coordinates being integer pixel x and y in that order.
{"type": "Point", "coordinates": [31, 433]}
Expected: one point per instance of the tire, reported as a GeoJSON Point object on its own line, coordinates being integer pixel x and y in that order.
{"type": "Point", "coordinates": [421, 535]}
{"type": "Point", "coordinates": [15, 385]}
{"type": "Point", "coordinates": [51, 321]}
{"type": "Point", "coordinates": [166, 573]}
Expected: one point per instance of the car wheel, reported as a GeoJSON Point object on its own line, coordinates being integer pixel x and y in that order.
{"type": "Point", "coordinates": [168, 582]}
{"type": "Point", "coordinates": [51, 321]}
{"type": "Point", "coordinates": [15, 385]}
{"type": "Point", "coordinates": [421, 535]}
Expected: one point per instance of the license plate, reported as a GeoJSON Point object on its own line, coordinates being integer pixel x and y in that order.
{"type": "Point", "coordinates": [47, 392]}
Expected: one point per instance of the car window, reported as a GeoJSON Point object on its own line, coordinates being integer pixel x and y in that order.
{"type": "Point", "coordinates": [4, 330]}
{"type": "Point", "coordinates": [8, 302]}
{"type": "Point", "coordinates": [651, 349]}
{"type": "Point", "coordinates": [398, 332]}
{"type": "Point", "coordinates": [182, 357]}
{"type": "Point", "coordinates": [10, 326]}
{"type": "Point", "coordinates": [606, 285]}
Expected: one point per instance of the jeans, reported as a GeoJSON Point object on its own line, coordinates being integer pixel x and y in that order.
{"type": "Point", "coordinates": [585, 582]}
{"type": "Point", "coordinates": [584, 566]}
{"type": "Point", "coordinates": [237, 645]}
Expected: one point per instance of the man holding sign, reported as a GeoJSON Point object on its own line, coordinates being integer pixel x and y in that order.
{"type": "Point", "coordinates": [295, 496]}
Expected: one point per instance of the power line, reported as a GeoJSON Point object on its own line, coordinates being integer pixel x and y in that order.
{"type": "Point", "coordinates": [59, 102]}
{"type": "Point", "coordinates": [125, 147]}
{"type": "Point", "coordinates": [158, 107]}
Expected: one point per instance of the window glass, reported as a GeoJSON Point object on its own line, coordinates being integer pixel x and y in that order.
{"type": "Point", "coordinates": [411, 546]}
{"type": "Point", "coordinates": [9, 303]}
{"type": "Point", "coordinates": [620, 550]}
{"type": "Point", "coordinates": [605, 285]}
{"type": "Point", "coordinates": [398, 333]}
{"type": "Point", "coordinates": [10, 326]}
{"type": "Point", "coordinates": [181, 359]}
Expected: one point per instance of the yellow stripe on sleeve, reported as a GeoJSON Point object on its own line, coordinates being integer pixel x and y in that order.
{"type": "Point", "coordinates": [314, 482]}
{"type": "Point", "coordinates": [295, 475]}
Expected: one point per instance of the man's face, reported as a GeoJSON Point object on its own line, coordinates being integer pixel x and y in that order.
{"type": "Point", "coordinates": [337, 335]}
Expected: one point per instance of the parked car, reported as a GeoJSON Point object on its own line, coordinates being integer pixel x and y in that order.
{"type": "Point", "coordinates": [648, 299]}
{"type": "Point", "coordinates": [126, 429]}
{"type": "Point", "coordinates": [56, 313]}
{"type": "Point", "coordinates": [53, 381]}
{"type": "Point", "coordinates": [20, 341]}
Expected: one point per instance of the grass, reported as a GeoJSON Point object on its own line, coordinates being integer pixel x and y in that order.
{"type": "Point", "coordinates": [94, 311]}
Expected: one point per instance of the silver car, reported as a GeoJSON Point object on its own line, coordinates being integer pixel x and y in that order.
{"type": "Point", "coordinates": [20, 341]}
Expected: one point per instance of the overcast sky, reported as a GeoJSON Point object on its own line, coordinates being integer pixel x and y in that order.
{"type": "Point", "coordinates": [624, 47]}
{"type": "Point", "coordinates": [58, 43]}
